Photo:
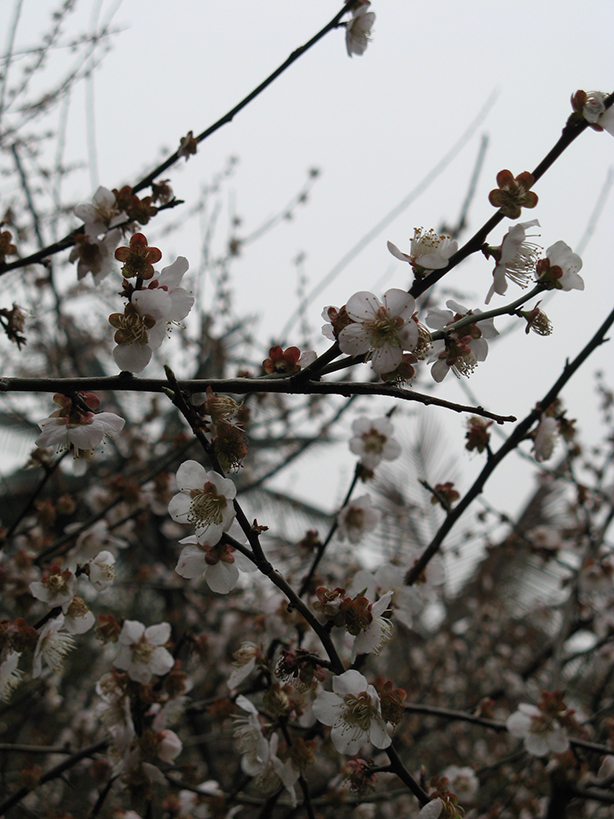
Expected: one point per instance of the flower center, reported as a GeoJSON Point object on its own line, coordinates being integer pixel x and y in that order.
{"type": "Point", "coordinates": [133, 328]}
{"type": "Point", "coordinates": [141, 652]}
{"type": "Point", "coordinates": [522, 266]}
{"type": "Point", "coordinates": [385, 330]}
{"type": "Point", "coordinates": [207, 506]}
{"type": "Point", "coordinates": [358, 712]}
{"type": "Point", "coordinates": [374, 442]}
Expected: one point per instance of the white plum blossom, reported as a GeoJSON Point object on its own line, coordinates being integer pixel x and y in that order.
{"type": "Point", "coordinates": [140, 329]}
{"type": "Point", "coordinates": [116, 714]}
{"type": "Point", "coordinates": [169, 745]}
{"type": "Point", "coordinates": [373, 441]}
{"type": "Point", "coordinates": [358, 29]}
{"type": "Point", "coordinates": [169, 281]}
{"type": "Point", "coordinates": [461, 350]}
{"type": "Point", "coordinates": [561, 255]}
{"type": "Point", "coordinates": [356, 518]}
{"type": "Point", "coordinates": [463, 782]}
{"type": "Point", "coordinates": [594, 111]}
{"type": "Point", "coordinates": [101, 215]}
{"type": "Point", "coordinates": [428, 251]}
{"type": "Point", "coordinates": [204, 500]}
{"type": "Point", "coordinates": [10, 674]}
{"type": "Point", "coordinates": [432, 809]}
{"type": "Point", "coordinates": [95, 256]}
{"type": "Point", "coordinates": [245, 662]}
{"type": "Point", "coordinates": [142, 651]}
{"type": "Point", "coordinates": [516, 259]}
{"type": "Point", "coordinates": [251, 741]}
{"type": "Point", "coordinates": [102, 571]}
{"type": "Point", "coordinates": [93, 540]}
{"type": "Point", "coordinates": [219, 564]}
{"type": "Point", "coordinates": [285, 771]}
{"type": "Point", "coordinates": [77, 617]}
{"type": "Point", "coordinates": [372, 639]}
{"type": "Point", "coordinates": [143, 325]}
{"type": "Point", "coordinates": [84, 431]}
{"type": "Point", "coordinates": [545, 438]}
{"type": "Point", "coordinates": [383, 330]}
{"type": "Point", "coordinates": [56, 588]}
{"type": "Point", "coordinates": [354, 711]}
{"type": "Point", "coordinates": [541, 733]}
{"type": "Point", "coordinates": [52, 646]}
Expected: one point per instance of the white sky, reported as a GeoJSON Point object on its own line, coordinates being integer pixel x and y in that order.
{"type": "Point", "coordinates": [375, 125]}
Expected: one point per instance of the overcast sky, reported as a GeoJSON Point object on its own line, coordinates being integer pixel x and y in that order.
{"type": "Point", "coordinates": [375, 125]}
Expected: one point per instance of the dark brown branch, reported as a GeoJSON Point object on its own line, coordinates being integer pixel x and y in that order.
{"type": "Point", "coordinates": [53, 773]}
{"type": "Point", "coordinates": [238, 386]}
{"type": "Point", "coordinates": [512, 442]}
{"type": "Point", "coordinates": [68, 241]}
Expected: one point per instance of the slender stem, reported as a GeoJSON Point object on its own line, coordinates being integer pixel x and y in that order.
{"type": "Point", "coordinates": [241, 386]}
{"type": "Point", "coordinates": [476, 318]}
{"type": "Point", "coordinates": [68, 241]}
{"type": "Point", "coordinates": [322, 547]}
{"type": "Point", "coordinates": [512, 442]}
{"type": "Point", "coordinates": [54, 772]}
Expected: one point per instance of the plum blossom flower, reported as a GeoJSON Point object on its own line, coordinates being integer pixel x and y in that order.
{"type": "Point", "coordinates": [559, 270]}
{"type": "Point", "coordinates": [383, 330]}
{"type": "Point", "coordinates": [245, 662]}
{"type": "Point", "coordinates": [460, 350]}
{"type": "Point", "coordinates": [169, 745]}
{"type": "Point", "coordinates": [95, 256]}
{"type": "Point", "coordinates": [140, 329]}
{"type": "Point", "coordinates": [72, 425]}
{"type": "Point", "coordinates": [77, 616]}
{"type": "Point", "coordinates": [219, 564]}
{"type": "Point", "coordinates": [10, 674]}
{"type": "Point", "coordinates": [138, 258]}
{"type": "Point", "coordinates": [102, 571]}
{"type": "Point", "coordinates": [56, 588]}
{"type": "Point", "coordinates": [592, 107]}
{"type": "Point", "coordinates": [358, 29]}
{"type": "Point", "coordinates": [142, 651]}
{"type": "Point", "coordinates": [169, 280]}
{"type": "Point", "coordinates": [52, 646]}
{"type": "Point", "coordinates": [372, 638]}
{"type": "Point", "coordinates": [432, 809]}
{"type": "Point", "coordinates": [336, 321]}
{"type": "Point", "coordinates": [356, 518]}
{"type": "Point", "coordinates": [545, 438]}
{"type": "Point", "coordinates": [463, 782]}
{"type": "Point", "coordinates": [252, 744]}
{"type": "Point", "coordinates": [541, 732]}
{"type": "Point", "coordinates": [373, 441]}
{"type": "Point", "coordinates": [288, 361]}
{"type": "Point", "coordinates": [513, 194]}
{"type": "Point", "coordinates": [354, 711]}
{"type": "Point", "coordinates": [429, 251]}
{"type": "Point", "coordinates": [205, 500]}
{"type": "Point", "coordinates": [101, 215]}
{"type": "Point", "coordinates": [516, 259]}
{"type": "Point", "coordinates": [286, 771]}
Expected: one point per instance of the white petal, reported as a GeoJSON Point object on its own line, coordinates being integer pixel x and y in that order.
{"type": "Point", "coordinates": [354, 340]}
{"type": "Point", "coordinates": [399, 303]}
{"type": "Point", "coordinates": [222, 577]}
{"type": "Point", "coordinates": [363, 306]}
{"type": "Point", "coordinates": [191, 475]}
{"type": "Point", "coordinates": [158, 634]}
{"type": "Point", "coordinates": [132, 358]}
{"type": "Point", "coordinates": [350, 682]}
{"type": "Point", "coordinates": [191, 562]}
{"type": "Point", "coordinates": [326, 707]}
